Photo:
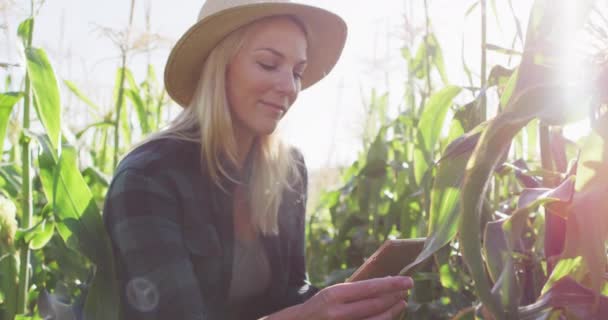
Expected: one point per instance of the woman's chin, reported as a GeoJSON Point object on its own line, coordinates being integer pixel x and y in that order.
{"type": "Point", "coordinates": [266, 129]}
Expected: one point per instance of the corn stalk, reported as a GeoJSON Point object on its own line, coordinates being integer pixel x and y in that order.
{"type": "Point", "coordinates": [26, 188]}
{"type": "Point", "coordinates": [121, 87]}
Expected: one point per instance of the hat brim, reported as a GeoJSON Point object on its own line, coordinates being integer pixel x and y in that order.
{"type": "Point", "coordinates": [326, 38]}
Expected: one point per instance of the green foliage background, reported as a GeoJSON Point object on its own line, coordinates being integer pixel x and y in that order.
{"type": "Point", "coordinates": [513, 213]}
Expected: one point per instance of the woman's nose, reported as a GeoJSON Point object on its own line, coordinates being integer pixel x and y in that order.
{"type": "Point", "coordinates": [288, 84]}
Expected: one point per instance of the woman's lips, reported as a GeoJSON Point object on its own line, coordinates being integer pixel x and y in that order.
{"type": "Point", "coordinates": [275, 107]}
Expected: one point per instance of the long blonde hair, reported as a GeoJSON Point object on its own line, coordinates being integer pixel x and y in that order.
{"type": "Point", "coordinates": [208, 121]}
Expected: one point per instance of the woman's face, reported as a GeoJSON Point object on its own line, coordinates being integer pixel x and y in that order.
{"type": "Point", "coordinates": [263, 79]}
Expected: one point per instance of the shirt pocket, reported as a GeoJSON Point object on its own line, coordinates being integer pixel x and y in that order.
{"type": "Point", "coordinates": [206, 255]}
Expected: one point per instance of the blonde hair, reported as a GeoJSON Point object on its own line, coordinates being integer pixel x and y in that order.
{"type": "Point", "coordinates": [208, 121]}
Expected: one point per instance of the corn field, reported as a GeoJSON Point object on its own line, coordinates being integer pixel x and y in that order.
{"type": "Point", "coordinates": [513, 211]}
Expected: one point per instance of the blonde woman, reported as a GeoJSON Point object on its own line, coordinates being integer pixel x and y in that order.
{"type": "Point", "coordinates": [207, 216]}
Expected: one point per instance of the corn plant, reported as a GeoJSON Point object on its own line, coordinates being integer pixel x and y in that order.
{"type": "Point", "coordinates": [387, 189]}
{"type": "Point", "coordinates": [512, 211]}
{"type": "Point", "coordinates": [537, 91]}
{"type": "Point", "coordinates": [57, 212]}
{"type": "Point", "coordinates": [512, 232]}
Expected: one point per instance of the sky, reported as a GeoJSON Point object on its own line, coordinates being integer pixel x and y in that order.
{"type": "Point", "coordinates": [327, 120]}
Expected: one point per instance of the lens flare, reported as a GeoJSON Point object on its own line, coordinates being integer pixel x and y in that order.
{"type": "Point", "coordinates": [142, 294]}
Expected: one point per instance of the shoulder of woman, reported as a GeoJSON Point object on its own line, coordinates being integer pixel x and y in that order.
{"type": "Point", "coordinates": [298, 158]}
{"type": "Point", "coordinates": [159, 154]}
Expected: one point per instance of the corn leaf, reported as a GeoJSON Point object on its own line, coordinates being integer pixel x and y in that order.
{"type": "Point", "coordinates": [140, 108]}
{"type": "Point", "coordinates": [9, 265]}
{"type": "Point", "coordinates": [78, 221]}
{"type": "Point", "coordinates": [24, 30]}
{"type": "Point", "coordinates": [430, 126]}
{"type": "Point", "coordinates": [535, 83]}
{"type": "Point", "coordinates": [7, 102]}
{"type": "Point", "coordinates": [569, 295]}
{"type": "Point", "coordinates": [587, 223]}
{"type": "Point", "coordinates": [78, 93]}
{"type": "Point", "coordinates": [46, 93]}
{"type": "Point", "coordinates": [445, 196]}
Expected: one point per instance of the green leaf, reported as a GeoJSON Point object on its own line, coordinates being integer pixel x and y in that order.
{"type": "Point", "coordinates": [448, 276]}
{"type": "Point", "coordinates": [468, 115]}
{"type": "Point", "coordinates": [375, 162]}
{"type": "Point", "coordinates": [587, 228]}
{"type": "Point", "coordinates": [499, 76]}
{"type": "Point", "coordinates": [471, 8]}
{"type": "Point", "coordinates": [79, 224]}
{"type": "Point", "coordinates": [24, 31]}
{"type": "Point", "coordinates": [465, 67]}
{"type": "Point", "coordinates": [77, 217]}
{"type": "Point", "coordinates": [496, 15]}
{"type": "Point", "coordinates": [11, 174]}
{"type": "Point", "coordinates": [571, 296]}
{"type": "Point", "coordinates": [565, 267]}
{"type": "Point", "coordinates": [70, 263]}
{"type": "Point", "coordinates": [495, 247]}
{"type": "Point", "coordinates": [535, 83]}
{"type": "Point", "coordinates": [418, 66]}
{"type": "Point", "coordinates": [43, 235]}
{"type": "Point", "coordinates": [500, 244]}
{"type": "Point", "coordinates": [532, 134]}
{"type": "Point", "coordinates": [124, 124]}
{"type": "Point", "coordinates": [40, 233]}
{"type": "Point", "coordinates": [151, 78]}
{"type": "Point", "coordinates": [502, 50]}
{"type": "Point", "coordinates": [592, 156]}
{"type": "Point", "coordinates": [46, 93]}
{"type": "Point", "coordinates": [507, 288]}
{"type": "Point", "coordinates": [438, 60]}
{"type": "Point", "coordinates": [103, 299]}
{"type": "Point", "coordinates": [131, 80]}
{"type": "Point", "coordinates": [445, 196]}
{"type": "Point", "coordinates": [95, 176]}
{"type": "Point", "coordinates": [431, 50]}
{"type": "Point", "coordinates": [140, 107]}
{"type": "Point", "coordinates": [586, 224]}
{"type": "Point", "coordinates": [509, 88]}
{"type": "Point", "coordinates": [433, 116]}
{"type": "Point", "coordinates": [76, 91]}
{"type": "Point", "coordinates": [7, 102]}
{"type": "Point", "coordinates": [9, 266]}
{"type": "Point", "coordinates": [101, 124]}
{"type": "Point", "coordinates": [430, 127]}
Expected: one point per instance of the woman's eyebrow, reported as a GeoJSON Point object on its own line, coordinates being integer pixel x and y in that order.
{"type": "Point", "coordinates": [279, 54]}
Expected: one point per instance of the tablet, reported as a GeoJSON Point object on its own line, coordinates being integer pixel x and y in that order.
{"type": "Point", "coordinates": [389, 259]}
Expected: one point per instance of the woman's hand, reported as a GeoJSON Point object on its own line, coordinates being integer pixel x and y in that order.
{"type": "Point", "coordinates": [382, 298]}
{"type": "Point", "coordinates": [373, 299]}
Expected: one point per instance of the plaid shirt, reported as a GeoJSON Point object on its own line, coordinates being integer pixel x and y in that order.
{"type": "Point", "coordinates": [172, 235]}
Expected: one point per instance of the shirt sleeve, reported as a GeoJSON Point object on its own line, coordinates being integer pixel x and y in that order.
{"type": "Point", "coordinates": [155, 273]}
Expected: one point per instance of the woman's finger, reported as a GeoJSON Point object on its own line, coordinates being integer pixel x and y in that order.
{"type": "Point", "coordinates": [366, 308]}
{"type": "Point", "coordinates": [391, 313]}
{"type": "Point", "coordinates": [354, 291]}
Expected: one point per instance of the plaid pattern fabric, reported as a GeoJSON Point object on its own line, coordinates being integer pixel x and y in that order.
{"type": "Point", "coordinates": [172, 236]}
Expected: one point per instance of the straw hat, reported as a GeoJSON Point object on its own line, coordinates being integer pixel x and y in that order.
{"type": "Point", "coordinates": [326, 37]}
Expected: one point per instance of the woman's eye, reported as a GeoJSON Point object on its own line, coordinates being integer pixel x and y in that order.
{"type": "Point", "coordinates": [267, 67]}
{"type": "Point", "coordinates": [297, 75]}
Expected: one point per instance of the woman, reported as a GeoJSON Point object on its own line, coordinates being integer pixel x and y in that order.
{"type": "Point", "coordinates": [207, 217]}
